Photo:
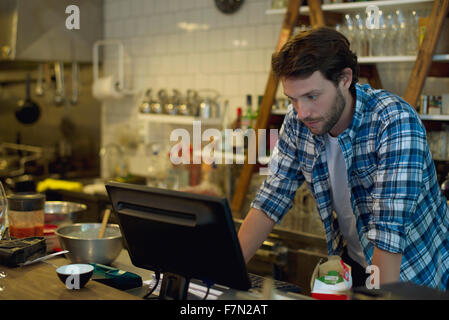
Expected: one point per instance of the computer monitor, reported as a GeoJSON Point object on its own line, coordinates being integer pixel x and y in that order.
{"type": "Point", "coordinates": [177, 233]}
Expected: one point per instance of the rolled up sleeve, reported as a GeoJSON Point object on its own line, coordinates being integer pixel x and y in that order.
{"type": "Point", "coordinates": [275, 196]}
{"type": "Point", "coordinates": [398, 180]}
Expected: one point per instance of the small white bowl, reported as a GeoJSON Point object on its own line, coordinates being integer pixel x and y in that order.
{"type": "Point", "coordinates": [75, 276]}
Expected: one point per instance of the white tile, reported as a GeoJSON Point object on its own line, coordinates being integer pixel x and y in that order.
{"type": "Point", "coordinates": [140, 66]}
{"type": "Point", "coordinates": [141, 26]}
{"type": "Point", "coordinates": [202, 3]}
{"type": "Point", "coordinates": [231, 84]}
{"type": "Point", "coordinates": [256, 12]}
{"type": "Point", "coordinates": [248, 37]}
{"type": "Point", "coordinates": [193, 63]}
{"type": "Point", "coordinates": [220, 34]}
{"type": "Point", "coordinates": [159, 6]}
{"type": "Point", "coordinates": [221, 20]}
{"type": "Point", "coordinates": [202, 63]}
{"type": "Point", "coordinates": [264, 36]}
{"type": "Point", "coordinates": [108, 30]}
{"type": "Point", "coordinates": [201, 81]}
{"type": "Point", "coordinates": [124, 9]}
{"type": "Point", "coordinates": [148, 8]}
{"type": "Point", "coordinates": [211, 63]}
{"type": "Point", "coordinates": [261, 82]}
{"type": "Point", "coordinates": [240, 18]}
{"type": "Point", "coordinates": [182, 64]}
{"type": "Point", "coordinates": [156, 64]}
{"type": "Point", "coordinates": [238, 61]}
{"type": "Point", "coordinates": [173, 5]}
{"type": "Point", "coordinates": [230, 37]}
{"type": "Point", "coordinates": [129, 28]}
{"type": "Point", "coordinates": [188, 42]}
{"type": "Point", "coordinates": [195, 16]}
{"type": "Point", "coordinates": [161, 82]}
{"type": "Point", "coordinates": [213, 43]}
{"type": "Point", "coordinates": [216, 82]}
{"type": "Point", "coordinates": [224, 61]}
{"type": "Point", "coordinates": [161, 44]}
{"type": "Point", "coordinates": [201, 41]}
{"type": "Point", "coordinates": [267, 60]}
{"type": "Point", "coordinates": [167, 68]}
{"type": "Point", "coordinates": [251, 60]}
{"type": "Point", "coordinates": [209, 17]}
{"type": "Point", "coordinates": [247, 83]}
{"type": "Point", "coordinates": [149, 46]}
{"type": "Point", "coordinates": [135, 8]}
{"type": "Point", "coordinates": [165, 6]}
{"type": "Point", "coordinates": [172, 45]}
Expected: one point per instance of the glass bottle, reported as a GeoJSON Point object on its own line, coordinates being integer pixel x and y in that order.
{"type": "Point", "coordinates": [362, 37]}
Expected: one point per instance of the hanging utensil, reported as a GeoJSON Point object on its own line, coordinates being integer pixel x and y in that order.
{"type": "Point", "coordinates": [59, 75]}
{"type": "Point", "coordinates": [40, 78]}
{"type": "Point", "coordinates": [75, 83]}
{"type": "Point", "coordinates": [28, 111]}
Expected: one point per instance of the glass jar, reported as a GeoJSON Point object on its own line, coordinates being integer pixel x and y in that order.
{"type": "Point", "coordinates": [26, 215]}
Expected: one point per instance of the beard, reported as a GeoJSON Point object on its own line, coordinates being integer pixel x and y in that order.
{"type": "Point", "coordinates": [331, 118]}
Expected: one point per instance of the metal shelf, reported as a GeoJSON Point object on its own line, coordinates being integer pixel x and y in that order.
{"type": "Point", "coordinates": [177, 119]}
{"type": "Point", "coordinates": [354, 6]}
{"type": "Point", "coordinates": [389, 59]}
{"type": "Point", "coordinates": [433, 117]}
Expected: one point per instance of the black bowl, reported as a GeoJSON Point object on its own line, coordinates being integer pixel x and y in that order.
{"type": "Point", "coordinates": [75, 276]}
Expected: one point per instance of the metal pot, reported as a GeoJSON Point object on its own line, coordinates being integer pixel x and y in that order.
{"type": "Point", "coordinates": [62, 212]}
{"type": "Point", "coordinates": [84, 246]}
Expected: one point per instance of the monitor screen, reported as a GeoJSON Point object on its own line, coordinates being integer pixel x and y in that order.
{"type": "Point", "coordinates": [187, 234]}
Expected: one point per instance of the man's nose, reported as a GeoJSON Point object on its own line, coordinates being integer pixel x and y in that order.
{"type": "Point", "coordinates": [303, 110]}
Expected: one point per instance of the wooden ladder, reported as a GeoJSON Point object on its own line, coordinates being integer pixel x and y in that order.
{"type": "Point", "coordinates": [424, 66]}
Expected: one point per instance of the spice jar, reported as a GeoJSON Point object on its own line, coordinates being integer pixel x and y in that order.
{"type": "Point", "coordinates": [26, 215]}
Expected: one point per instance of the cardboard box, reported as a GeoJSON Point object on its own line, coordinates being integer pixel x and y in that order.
{"type": "Point", "coordinates": [331, 280]}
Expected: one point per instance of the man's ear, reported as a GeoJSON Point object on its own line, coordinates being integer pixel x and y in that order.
{"type": "Point", "coordinates": [346, 78]}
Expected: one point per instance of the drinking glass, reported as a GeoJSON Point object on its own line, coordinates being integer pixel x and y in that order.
{"type": "Point", "coordinates": [3, 213]}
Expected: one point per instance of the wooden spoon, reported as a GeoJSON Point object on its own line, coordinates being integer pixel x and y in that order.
{"type": "Point", "coordinates": [104, 223]}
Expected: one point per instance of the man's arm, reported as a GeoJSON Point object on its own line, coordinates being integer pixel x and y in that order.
{"type": "Point", "coordinates": [389, 265]}
{"type": "Point", "coordinates": [253, 232]}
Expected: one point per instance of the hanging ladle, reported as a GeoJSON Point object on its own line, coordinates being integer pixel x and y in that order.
{"type": "Point", "coordinates": [28, 111]}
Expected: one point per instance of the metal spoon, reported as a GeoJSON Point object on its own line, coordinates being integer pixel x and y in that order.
{"type": "Point", "coordinates": [48, 256]}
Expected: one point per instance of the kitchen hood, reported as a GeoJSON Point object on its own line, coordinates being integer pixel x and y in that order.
{"type": "Point", "coordinates": [35, 30]}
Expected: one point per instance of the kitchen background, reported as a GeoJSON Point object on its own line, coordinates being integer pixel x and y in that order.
{"type": "Point", "coordinates": [169, 44]}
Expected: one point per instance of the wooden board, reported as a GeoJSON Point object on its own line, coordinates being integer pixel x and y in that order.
{"type": "Point", "coordinates": [288, 25]}
{"type": "Point", "coordinates": [40, 281]}
{"type": "Point", "coordinates": [426, 50]}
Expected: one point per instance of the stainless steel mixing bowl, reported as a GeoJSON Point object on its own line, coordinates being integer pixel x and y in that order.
{"type": "Point", "coordinates": [84, 246]}
{"type": "Point", "coordinates": [63, 212]}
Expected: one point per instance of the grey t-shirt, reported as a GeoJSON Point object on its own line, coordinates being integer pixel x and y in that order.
{"type": "Point", "coordinates": [341, 199]}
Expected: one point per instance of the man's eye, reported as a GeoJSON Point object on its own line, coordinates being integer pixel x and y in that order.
{"type": "Point", "coordinates": [311, 97]}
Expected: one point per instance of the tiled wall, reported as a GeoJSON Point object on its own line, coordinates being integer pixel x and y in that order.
{"type": "Point", "coordinates": [228, 53]}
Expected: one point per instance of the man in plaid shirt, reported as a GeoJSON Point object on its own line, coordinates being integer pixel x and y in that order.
{"type": "Point", "coordinates": [365, 157]}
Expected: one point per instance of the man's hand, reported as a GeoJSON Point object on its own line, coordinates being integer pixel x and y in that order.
{"type": "Point", "coordinates": [389, 265]}
{"type": "Point", "coordinates": [254, 230]}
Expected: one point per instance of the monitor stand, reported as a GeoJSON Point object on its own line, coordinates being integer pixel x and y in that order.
{"type": "Point", "coordinates": [174, 287]}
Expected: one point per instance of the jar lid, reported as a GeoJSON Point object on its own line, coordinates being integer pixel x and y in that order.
{"type": "Point", "coordinates": [26, 201]}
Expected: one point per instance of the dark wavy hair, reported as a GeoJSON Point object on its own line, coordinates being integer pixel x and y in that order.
{"type": "Point", "coordinates": [323, 49]}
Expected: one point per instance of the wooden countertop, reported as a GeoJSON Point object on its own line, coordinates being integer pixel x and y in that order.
{"type": "Point", "coordinates": [39, 281]}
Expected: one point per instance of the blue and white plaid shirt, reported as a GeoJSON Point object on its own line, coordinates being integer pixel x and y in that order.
{"type": "Point", "coordinates": [395, 194]}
